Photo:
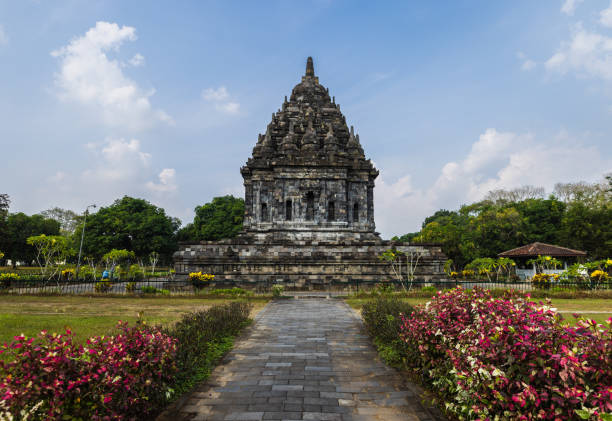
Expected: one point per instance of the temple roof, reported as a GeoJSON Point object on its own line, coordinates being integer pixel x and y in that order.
{"type": "Point", "coordinates": [541, 249]}
{"type": "Point", "coordinates": [309, 127]}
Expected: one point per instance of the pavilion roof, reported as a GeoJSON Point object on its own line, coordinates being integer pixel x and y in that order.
{"type": "Point", "coordinates": [541, 249]}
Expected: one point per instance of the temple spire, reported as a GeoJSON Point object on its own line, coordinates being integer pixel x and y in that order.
{"type": "Point", "coordinates": [309, 67]}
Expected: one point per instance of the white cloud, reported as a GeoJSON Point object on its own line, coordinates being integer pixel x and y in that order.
{"type": "Point", "coordinates": [118, 160]}
{"type": "Point", "coordinates": [497, 160]}
{"type": "Point", "coordinates": [569, 6]}
{"type": "Point", "coordinates": [605, 16]}
{"type": "Point", "coordinates": [137, 61]}
{"type": "Point", "coordinates": [90, 77]}
{"type": "Point", "coordinates": [115, 167]}
{"type": "Point", "coordinates": [220, 98]}
{"type": "Point", "coordinates": [228, 107]}
{"type": "Point", "coordinates": [166, 183]}
{"type": "Point", "coordinates": [589, 54]}
{"type": "Point", "coordinates": [527, 64]}
{"type": "Point", "coordinates": [58, 177]}
{"type": "Point", "coordinates": [219, 94]}
{"type": "Point", "coordinates": [3, 37]}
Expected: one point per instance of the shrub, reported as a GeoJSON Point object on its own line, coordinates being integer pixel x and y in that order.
{"type": "Point", "coordinates": [103, 286]}
{"type": "Point", "coordinates": [130, 287]}
{"type": "Point", "coordinates": [117, 377]}
{"type": "Point", "coordinates": [232, 292]}
{"type": "Point", "coordinates": [544, 280]}
{"type": "Point", "coordinates": [509, 357]}
{"type": "Point", "coordinates": [148, 289]}
{"type": "Point", "coordinates": [135, 273]}
{"type": "Point", "coordinates": [277, 290]}
{"type": "Point", "coordinates": [204, 336]}
{"type": "Point", "coordinates": [7, 278]}
{"type": "Point", "coordinates": [200, 280]}
{"type": "Point", "coordinates": [382, 320]}
{"type": "Point", "coordinates": [68, 274]}
{"type": "Point", "coordinates": [599, 276]}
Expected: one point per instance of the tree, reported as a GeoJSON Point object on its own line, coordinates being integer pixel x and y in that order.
{"type": "Point", "coordinates": [67, 219]}
{"type": "Point", "coordinates": [515, 195]}
{"type": "Point", "coordinates": [403, 264]}
{"type": "Point", "coordinates": [50, 250]}
{"type": "Point", "coordinates": [115, 257]}
{"type": "Point", "coordinates": [4, 207]}
{"type": "Point", "coordinates": [21, 226]}
{"type": "Point", "coordinates": [130, 224]}
{"type": "Point", "coordinates": [5, 201]}
{"type": "Point", "coordinates": [578, 215]}
{"type": "Point", "coordinates": [221, 218]}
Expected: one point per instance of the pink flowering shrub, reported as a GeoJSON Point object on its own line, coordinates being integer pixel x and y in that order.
{"type": "Point", "coordinates": [117, 377]}
{"type": "Point", "coordinates": [509, 358]}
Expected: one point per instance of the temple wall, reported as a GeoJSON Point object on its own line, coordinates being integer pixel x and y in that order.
{"type": "Point", "coordinates": [300, 265]}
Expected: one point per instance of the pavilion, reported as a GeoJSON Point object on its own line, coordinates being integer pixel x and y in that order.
{"type": "Point", "coordinates": [521, 255]}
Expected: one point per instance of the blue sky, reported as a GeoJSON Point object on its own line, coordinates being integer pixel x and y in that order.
{"type": "Point", "coordinates": [164, 100]}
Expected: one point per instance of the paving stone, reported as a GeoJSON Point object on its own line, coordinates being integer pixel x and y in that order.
{"type": "Point", "coordinates": [332, 372]}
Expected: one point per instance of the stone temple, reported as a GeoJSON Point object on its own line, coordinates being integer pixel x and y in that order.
{"type": "Point", "coordinates": [309, 198]}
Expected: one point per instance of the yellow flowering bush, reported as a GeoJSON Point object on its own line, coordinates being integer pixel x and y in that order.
{"type": "Point", "coordinates": [454, 275]}
{"type": "Point", "coordinates": [68, 273]}
{"type": "Point", "coordinates": [6, 278]}
{"type": "Point", "coordinates": [199, 276]}
{"type": "Point", "coordinates": [199, 279]}
{"type": "Point", "coordinates": [543, 280]}
{"type": "Point", "coordinates": [599, 275]}
{"type": "Point", "coordinates": [468, 273]}
{"type": "Point", "coordinates": [9, 277]}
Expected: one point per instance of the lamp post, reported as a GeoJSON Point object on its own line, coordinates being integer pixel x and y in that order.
{"type": "Point", "coordinates": [76, 275]}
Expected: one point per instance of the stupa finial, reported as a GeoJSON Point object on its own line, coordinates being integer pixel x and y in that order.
{"type": "Point", "coordinates": [309, 67]}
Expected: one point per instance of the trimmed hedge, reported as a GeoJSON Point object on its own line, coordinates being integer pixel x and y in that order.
{"type": "Point", "coordinates": [131, 375]}
{"type": "Point", "coordinates": [382, 318]}
{"type": "Point", "coordinates": [204, 336]}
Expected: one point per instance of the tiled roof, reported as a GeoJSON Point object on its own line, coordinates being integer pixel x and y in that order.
{"type": "Point", "coordinates": [541, 249]}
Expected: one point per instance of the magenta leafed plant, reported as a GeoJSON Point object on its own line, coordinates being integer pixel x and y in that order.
{"type": "Point", "coordinates": [509, 357]}
{"type": "Point", "coordinates": [117, 377]}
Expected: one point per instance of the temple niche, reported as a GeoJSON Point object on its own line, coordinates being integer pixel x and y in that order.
{"type": "Point", "coordinates": [309, 205]}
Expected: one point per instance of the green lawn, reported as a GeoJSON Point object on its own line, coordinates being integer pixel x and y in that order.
{"type": "Point", "coordinates": [592, 308]}
{"type": "Point", "coordinates": [92, 316]}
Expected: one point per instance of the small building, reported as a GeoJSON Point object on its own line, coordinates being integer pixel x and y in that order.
{"type": "Point", "coordinates": [521, 255]}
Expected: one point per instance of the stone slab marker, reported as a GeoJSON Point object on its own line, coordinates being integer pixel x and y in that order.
{"type": "Point", "coordinates": [307, 359]}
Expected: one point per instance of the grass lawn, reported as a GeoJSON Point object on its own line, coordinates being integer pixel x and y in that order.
{"type": "Point", "coordinates": [92, 316]}
{"type": "Point", "coordinates": [592, 308]}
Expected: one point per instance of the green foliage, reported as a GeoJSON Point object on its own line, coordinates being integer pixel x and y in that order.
{"type": "Point", "coordinates": [116, 257]}
{"type": "Point", "coordinates": [18, 227]}
{"type": "Point", "coordinates": [49, 251]}
{"type": "Point", "coordinates": [544, 263]}
{"type": "Point", "coordinates": [103, 286]}
{"type": "Point", "coordinates": [67, 219]}
{"type": "Point", "coordinates": [382, 320]}
{"type": "Point", "coordinates": [579, 217]}
{"type": "Point", "coordinates": [203, 337]}
{"type": "Point", "coordinates": [130, 224]}
{"type": "Point", "coordinates": [221, 218]}
{"type": "Point", "coordinates": [153, 290]}
{"type": "Point", "coordinates": [277, 290]}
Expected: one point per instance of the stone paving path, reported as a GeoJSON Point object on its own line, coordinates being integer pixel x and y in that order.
{"type": "Point", "coordinates": [306, 359]}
